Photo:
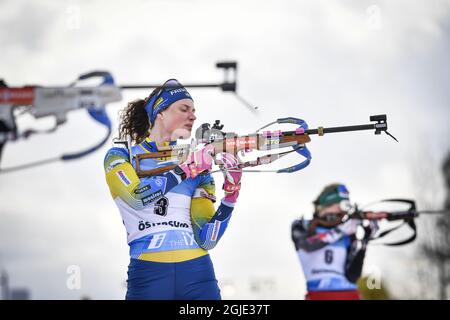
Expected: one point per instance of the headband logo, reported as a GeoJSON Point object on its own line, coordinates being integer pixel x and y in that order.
{"type": "Point", "coordinates": [172, 92]}
{"type": "Point", "coordinates": [159, 101]}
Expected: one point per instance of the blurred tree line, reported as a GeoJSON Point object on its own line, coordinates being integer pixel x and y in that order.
{"type": "Point", "coordinates": [432, 258]}
{"type": "Point", "coordinates": [436, 246]}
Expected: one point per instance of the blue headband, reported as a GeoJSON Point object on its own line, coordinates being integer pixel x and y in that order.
{"type": "Point", "coordinates": [170, 92]}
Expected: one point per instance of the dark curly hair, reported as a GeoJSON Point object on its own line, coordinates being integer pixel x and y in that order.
{"type": "Point", "coordinates": [134, 120]}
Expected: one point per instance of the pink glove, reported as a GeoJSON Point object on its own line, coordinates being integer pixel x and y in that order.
{"type": "Point", "coordinates": [350, 226]}
{"type": "Point", "coordinates": [198, 161]}
{"type": "Point", "coordinates": [232, 175]}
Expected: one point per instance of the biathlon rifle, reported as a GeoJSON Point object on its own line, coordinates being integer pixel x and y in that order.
{"type": "Point", "coordinates": [407, 216]}
{"type": "Point", "coordinates": [240, 145]}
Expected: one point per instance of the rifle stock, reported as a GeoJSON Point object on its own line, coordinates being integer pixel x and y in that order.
{"type": "Point", "coordinates": [232, 145]}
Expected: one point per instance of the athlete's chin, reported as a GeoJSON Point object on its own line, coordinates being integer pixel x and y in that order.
{"type": "Point", "coordinates": [181, 133]}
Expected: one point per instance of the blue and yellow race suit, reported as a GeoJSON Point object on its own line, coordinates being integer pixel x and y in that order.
{"type": "Point", "coordinates": [170, 224]}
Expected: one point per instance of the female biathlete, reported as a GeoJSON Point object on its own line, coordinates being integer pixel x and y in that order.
{"type": "Point", "coordinates": [170, 218]}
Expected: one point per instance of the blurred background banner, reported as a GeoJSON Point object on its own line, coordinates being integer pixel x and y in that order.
{"type": "Point", "coordinates": [331, 63]}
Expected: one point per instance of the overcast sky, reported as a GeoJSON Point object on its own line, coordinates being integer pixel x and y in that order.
{"type": "Point", "coordinates": [328, 62]}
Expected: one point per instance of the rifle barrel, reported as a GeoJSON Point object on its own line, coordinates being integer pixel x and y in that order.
{"type": "Point", "coordinates": [434, 211]}
{"type": "Point", "coordinates": [342, 129]}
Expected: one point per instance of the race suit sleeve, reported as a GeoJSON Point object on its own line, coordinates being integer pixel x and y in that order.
{"type": "Point", "coordinates": [305, 241]}
{"type": "Point", "coordinates": [208, 224]}
{"type": "Point", "coordinates": [355, 260]}
{"type": "Point", "coordinates": [137, 192]}
{"type": "Point", "coordinates": [357, 252]}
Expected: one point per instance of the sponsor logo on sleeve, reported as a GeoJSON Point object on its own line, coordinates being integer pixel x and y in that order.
{"type": "Point", "coordinates": [142, 190]}
{"type": "Point", "coordinates": [215, 231]}
{"type": "Point", "coordinates": [152, 197]}
{"type": "Point", "coordinates": [123, 177]}
{"type": "Point", "coordinates": [114, 163]}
